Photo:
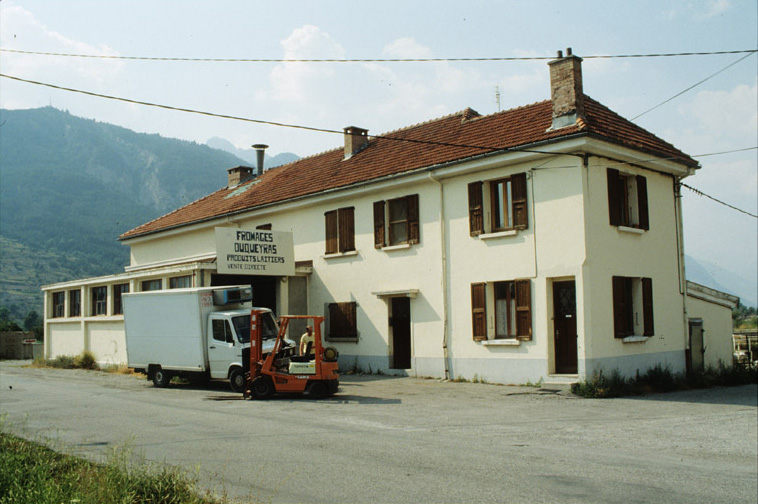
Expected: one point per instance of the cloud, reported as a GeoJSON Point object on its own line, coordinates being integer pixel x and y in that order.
{"type": "Point", "coordinates": [718, 120]}
{"type": "Point", "coordinates": [406, 48]}
{"type": "Point", "coordinates": [19, 28]}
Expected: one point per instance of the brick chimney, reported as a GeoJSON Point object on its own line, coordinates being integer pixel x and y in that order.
{"type": "Point", "coordinates": [238, 174]}
{"type": "Point", "coordinates": [356, 139]}
{"type": "Point", "coordinates": [566, 89]}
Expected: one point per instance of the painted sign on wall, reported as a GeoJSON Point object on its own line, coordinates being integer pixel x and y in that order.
{"type": "Point", "coordinates": [254, 252]}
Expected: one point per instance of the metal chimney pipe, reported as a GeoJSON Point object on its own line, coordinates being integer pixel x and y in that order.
{"type": "Point", "coordinates": [259, 153]}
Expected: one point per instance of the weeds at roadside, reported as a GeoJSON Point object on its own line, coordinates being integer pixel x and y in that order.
{"type": "Point", "coordinates": [660, 379]}
{"type": "Point", "coordinates": [33, 473]}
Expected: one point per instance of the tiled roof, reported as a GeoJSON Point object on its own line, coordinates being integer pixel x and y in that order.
{"type": "Point", "coordinates": [451, 138]}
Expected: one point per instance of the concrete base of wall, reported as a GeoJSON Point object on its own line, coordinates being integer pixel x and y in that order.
{"type": "Point", "coordinates": [490, 370]}
{"type": "Point", "coordinates": [629, 365]}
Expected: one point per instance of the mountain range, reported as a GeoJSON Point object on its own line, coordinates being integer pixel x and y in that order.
{"type": "Point", "coordinates": [70, 186]}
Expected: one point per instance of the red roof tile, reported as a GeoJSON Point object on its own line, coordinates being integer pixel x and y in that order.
{"type": "Point", "coordinates": [451, 138]}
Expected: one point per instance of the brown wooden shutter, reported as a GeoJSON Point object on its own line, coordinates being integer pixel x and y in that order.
{"type": "Point", "coordinates": [524, 309]}
{"type": "Point", "coordinates": [621, 307]}
{"type": "Point", "coordinates": [518, 188]}
{"type": "Point", "coordinates": [379, 240]}
{"type": "Point", "coordinates": [475, 209]}
{"type": "Point", "coordinates": [647, 306]}
{"type": "Point", "coordinates": [642, 210]}
{"type": "Point", "coordinates": [614, 197]}
{"type": "Point", "coordinates": [413, 225]}
{"type": "Point", "coordinates": [479, 311]}
{"type": "Point", "coordinates": [331, 232]}
{"type": "Point", "coordinates": [342, 320]}
{"type": "Point", "coordinates": [346, 229]}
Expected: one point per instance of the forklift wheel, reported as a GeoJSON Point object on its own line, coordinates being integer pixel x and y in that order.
{"type": "Point", "coordinates": [262, 388]}
{"type": "Point", "coordinates": [317, 389]}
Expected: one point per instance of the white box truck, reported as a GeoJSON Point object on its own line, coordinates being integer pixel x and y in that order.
{"type": "Point", "coordinates": [196, 333]}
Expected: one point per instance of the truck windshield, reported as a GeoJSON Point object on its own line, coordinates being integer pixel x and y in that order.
{"type": "Point", "coordinates": [242, 326]}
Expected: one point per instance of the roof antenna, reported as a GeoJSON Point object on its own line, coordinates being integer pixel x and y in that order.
{"type": "Point", "coordinates": [497, 96]}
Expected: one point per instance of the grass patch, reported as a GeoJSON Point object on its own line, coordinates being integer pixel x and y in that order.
{"type": "Point", "coordinates": [660, 379]}
{"type": "Point", "coordinates": [32, 473]}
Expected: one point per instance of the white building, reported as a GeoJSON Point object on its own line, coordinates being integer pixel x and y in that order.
{"type": "Point", "coordinates": [540, 241]}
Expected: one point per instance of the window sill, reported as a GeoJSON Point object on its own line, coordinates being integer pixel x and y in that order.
{"type": "Point", "coordinates": [631, 230]}
{"type": "Point", "coordinates": [402, 246]}
{"type": "Point", "coordinates": [349, 253]}
{"type": "Point", "coordinates": [499, 234]}
{"type": "Point", "coordinates": [635, 339]}
{"type": "Point", "coordinates": [502, 342]}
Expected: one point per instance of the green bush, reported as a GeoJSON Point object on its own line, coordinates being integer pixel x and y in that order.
{"type": "Point", "coordinates": [85, 360]}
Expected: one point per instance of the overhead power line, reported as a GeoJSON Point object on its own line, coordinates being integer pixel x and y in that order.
{"type": "Point", "coordinates": [366, 60]}
{"type": "Point", "coordinates": [691, 87]}
{"type": "Point", "coordinates": [272, 123]}
{"type": "Point", "coordinates": [701, 193]}
{"type": "Point", "coordinates": [325, 130]}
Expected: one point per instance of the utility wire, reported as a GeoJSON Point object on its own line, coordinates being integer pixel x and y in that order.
{"type": "Point", "coordinates": [366, 60]}
{"type": "Point", "coordinates": [701, 193]}
{"type": "Point", "coordinates": [325, 130]}
{"type": "Point", "coordinates": [692, 86]}
{"type": "Point", "coordinates": [272, 123]}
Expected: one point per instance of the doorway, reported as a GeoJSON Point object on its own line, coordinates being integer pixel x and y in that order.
{"type": "Point", "coordinates": [400, 326]}
{"type": "Point", "coordinates": [697, 348]}
{"type": "Point", "coordinates": [564, 318]}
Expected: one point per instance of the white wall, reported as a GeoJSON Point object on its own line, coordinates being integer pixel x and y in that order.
{"type": "Point", "coordinates": [651, 254]}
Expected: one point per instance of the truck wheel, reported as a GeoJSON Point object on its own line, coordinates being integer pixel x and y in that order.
{"type": "Point", "coordinates": [317, 389]}
{"type": "Point", "coordinates": [262, 388]}
{"type": "Point", "coordinates": [161, 378]}
{"type": "Point", "coordinates": [237, 380]}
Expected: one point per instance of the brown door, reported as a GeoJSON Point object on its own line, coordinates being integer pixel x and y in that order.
{"type": "Point", "coordinates": [564, 313]}
{"type": "Point", "coordinates": [697, 349]}
{"type": "Point", "coordinates": [400, 322]}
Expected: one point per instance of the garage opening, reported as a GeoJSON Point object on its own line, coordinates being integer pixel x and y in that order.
{"type": "Point", "coordinates": [264, 287]}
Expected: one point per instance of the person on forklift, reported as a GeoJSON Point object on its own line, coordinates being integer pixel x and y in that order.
{"type": "Point", "coordinates": [305, 339]}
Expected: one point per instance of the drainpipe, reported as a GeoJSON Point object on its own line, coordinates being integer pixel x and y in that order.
{"type": "Point", "coordinates": [680, 246]}
{"type": "Point", "coordinates": [443, 251]}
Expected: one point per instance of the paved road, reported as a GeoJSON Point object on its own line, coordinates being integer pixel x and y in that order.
{"type": "Point", "coordinates": [402, 440]}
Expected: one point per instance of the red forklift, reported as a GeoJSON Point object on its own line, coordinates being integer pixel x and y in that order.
{"type": "Point", "coordinates": [280, 371]}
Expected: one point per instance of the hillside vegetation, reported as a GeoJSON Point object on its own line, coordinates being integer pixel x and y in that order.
{"type": "Point", "coordinates": [70, 186]}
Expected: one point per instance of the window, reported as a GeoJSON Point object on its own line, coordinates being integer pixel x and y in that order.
{"type": "Point", "coordinates": [264, 227]}
{"type": "Point", "coordinates": [627, 200]}
{"type": "Point", "coordinates": [511, 302]}
{"type": "Point", "coordinates": [59, 303]}
{"type": "Point", "coordinates": [152, 285]}
{"type": "Point", "coordinates": [396, 221]}
{"type": "Point", "coordinates": [75, 303]}
{"type": "Point", "coordinates": [99, 304]}
{"type": "Point", "coordinates": [340, 230]}
{"type": "Point", "coordinates": [118, 302]}
{"type": "Point", "coordinates": [181, 282]}
{"type": "Point", "coordinates": [342, 320]}
{"type": "Point", "coordinates": [222, 332]}
{"type": "Point", "coordinates": [632, 299]}
{"type": "Point", "coordinates": [505, 202]}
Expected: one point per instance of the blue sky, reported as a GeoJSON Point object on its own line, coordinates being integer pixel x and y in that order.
{"type": "Point", "coordinates": [718, 115]}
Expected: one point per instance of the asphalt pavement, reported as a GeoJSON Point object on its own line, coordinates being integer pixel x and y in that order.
{"type": "Point", "coordinates": [402, 440]}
